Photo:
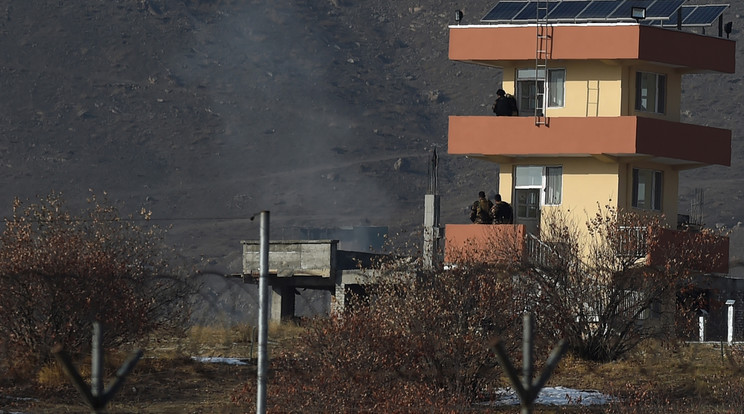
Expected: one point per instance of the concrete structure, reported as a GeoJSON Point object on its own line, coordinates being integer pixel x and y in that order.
{"type": "Point", "coordinates": [600, 118]}
{"type": "Point", "coordinates": [307, 264]}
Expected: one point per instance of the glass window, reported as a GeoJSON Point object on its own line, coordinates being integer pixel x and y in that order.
{"type": "Point", "coordinates": [531, 89]}
{"type": "Point", "coordinates": [650, 92]}
{"type": "Point", "coordinates": [529, 176]}
{"type": "Point", "coordinates": [556, 81]}
{"type": "Point", "coordinates": [647, 189]}
{"type": "Point", "coordinates": [553, 185]}
{"type": "Point", "coordinates": [548, 179]}
{"type": "Point", "coordinates": [528, 203]}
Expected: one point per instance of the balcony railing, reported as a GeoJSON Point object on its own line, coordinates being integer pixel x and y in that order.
{"type": "Point", "coordinates": [632, 242]}
{"type": "Point", "coordinates": [697, 251]}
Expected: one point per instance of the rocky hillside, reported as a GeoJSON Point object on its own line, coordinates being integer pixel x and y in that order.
{"type": "Point", "coordinates": [324, 112]}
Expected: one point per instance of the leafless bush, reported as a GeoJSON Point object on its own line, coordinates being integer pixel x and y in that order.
{"type": "Point", "coordinates": [59, 272]}
{"type": "Point", "coordinates": [598, 290]}
{"type": "Point", "coordinates": [418, 342]}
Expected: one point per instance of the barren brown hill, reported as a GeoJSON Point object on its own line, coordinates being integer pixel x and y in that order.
{"type": "Point", "coordinates": [207, 111]}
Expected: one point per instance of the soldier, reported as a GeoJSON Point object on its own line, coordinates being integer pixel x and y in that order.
{"type": "Point", "coordinates": [501, 211]}
{"type": "Point", "coordinates": [480, 211]}
{"type": "Point", "coordinates": [505, 104]}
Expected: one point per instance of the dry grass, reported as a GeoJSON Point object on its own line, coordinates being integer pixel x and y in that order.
{"type": "Point", "coordinates": [698, 378]}
{"type": "Point", "coordinates": [166, 379]}
{"type": "Point", "coordinates": [690, 378]}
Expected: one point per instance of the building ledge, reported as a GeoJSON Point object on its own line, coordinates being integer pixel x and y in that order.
{"type": "Point", "coordinates": [689, 52]}
{"type": "Point", "coordinates": [608, 138]}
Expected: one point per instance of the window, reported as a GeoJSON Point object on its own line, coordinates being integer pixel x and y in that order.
{"type": "Point", "coordinates": [647, 189]}
{"type": "Point", "coordinates": [553, 185]}
{"type": "Point", "coordinates": [531, 89]}
{"type": "Point", "coordinates": [529, 176]}
{"type": "Point", "coordinates": [547, 179]}
{"type": "Point", "coordinates": [650, 92]}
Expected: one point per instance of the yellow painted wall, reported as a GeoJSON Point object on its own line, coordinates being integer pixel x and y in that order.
{"type": "Point", "coordinates": [506, 182]}
{"type": "Point", "coordinates": [507, 80]}
{"type": "Point", "coordinates": [670, 196]}
{"type": "Point", "coordinates": [602, 88]}
{"type": "Point", "coordinates": [586, 182]}
{"type": "Point", "coordinates": [593, 88]}
{"type": "Point", "coordinates": [673, 94]}
{"type": "Point", "coordinates": [590, 184]}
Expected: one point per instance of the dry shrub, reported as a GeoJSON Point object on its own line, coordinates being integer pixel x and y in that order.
{"type": "Point", "coordinates": [721, 395]}
{"type": "Point", "coordinates": [60, 272]}
{"type": "Point", "coordinates": [51, 375]}
{"type": "Point", "coordinates": [594, 286]}
{"type": "Point", "coordinates": [209, 336]}
{"type": "Point", "coordinates": [417, 342]}
{"type": "Point", "coordinates": [244, 333]}
{"type": "Point", "coordinates": [285, 331]}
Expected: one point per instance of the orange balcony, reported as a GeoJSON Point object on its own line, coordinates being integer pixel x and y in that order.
{"type": "Point", "coordinates": [697, 251]}
{"type": "Point", "coordinates": [685, 145]}
{"type": "Point", "coordinates": [488, 45]}
{"type": "Point", "coordinates": [480, 241]}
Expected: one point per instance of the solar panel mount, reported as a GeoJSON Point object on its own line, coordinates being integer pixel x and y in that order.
{"type": "Point", "coordinates": [664, 13]}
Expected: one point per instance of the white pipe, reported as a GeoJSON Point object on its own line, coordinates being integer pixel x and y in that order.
{"type": "Point", "coordinates": [730, 304]}
{"type": "Point", "coordinates": [263, 314]}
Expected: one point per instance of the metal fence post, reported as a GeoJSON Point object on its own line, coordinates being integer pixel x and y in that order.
{"type": "Point", "coordinates": [96, 396]}
{"type": "Point", "coordinates": [730, 335]}
{"type": "Point", "coordinates": [528, 388]}
{"type": "Point", "coordinates": [263, 315]}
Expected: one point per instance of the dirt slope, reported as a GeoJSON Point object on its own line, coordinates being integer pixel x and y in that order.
{"type": "Point", "coordinates": [206, 111]}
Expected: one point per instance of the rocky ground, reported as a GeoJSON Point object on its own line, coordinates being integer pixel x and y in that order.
{"type": "Point", "coordinates": [324, 112]}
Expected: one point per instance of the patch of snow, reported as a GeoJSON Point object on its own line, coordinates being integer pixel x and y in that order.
{"type": "Point", "coordinates": [220, 360]}
{"type": "Point", "coordinates": [12, 398]}
{"type": "Point", "coordinates": [554, 396]}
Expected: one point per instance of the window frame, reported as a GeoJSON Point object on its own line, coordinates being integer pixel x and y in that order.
{"type": "Point", "coordinates": [553, 197]}
{"type": "Point", "coordinates": [527, 88]}
{"type": "Point", "coordinates": [655, 194]}
{"type": "Point", "coordinates": [659, 94]}
{"type": "Point", "coordinates": [549, 196]}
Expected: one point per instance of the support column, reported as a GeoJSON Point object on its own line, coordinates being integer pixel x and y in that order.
{"type": "Point", "coordinates": [701, 325]}
{"type": "Point", "coordinates": [282, 303]}
{"type": "Point", "coordinates": [432, 231]}
{"type": "Point", "coordinates": [730, 336]}
{"type": "Point", "coordinates": [338, 303]}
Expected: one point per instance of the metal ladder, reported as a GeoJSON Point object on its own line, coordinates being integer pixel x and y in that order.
{"type": "Point", "coordinates": [592, 97]}
{"type": "Point", "coordinates": [542, 54]}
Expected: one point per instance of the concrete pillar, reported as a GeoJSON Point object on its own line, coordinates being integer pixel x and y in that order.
{"type": "Point", "coordinates": [338, 301]}
{"type": "Point", "coordinates": [730, 336]}
{"type": "Point", "coordinates": [432, 231]}
{"type": "Point", "coordinates": [282, 303]}
{"type": "Point", "coordinates": [701, 327]}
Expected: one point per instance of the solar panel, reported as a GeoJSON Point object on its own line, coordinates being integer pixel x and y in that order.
{"type": "Point", "coordinates": [655, 9]}
{"type": "Point", "coordinates": [663, 9]}
{"type": "Point", "coordinates": [599, 9]}
{"type": "Point", "coordinates": [658, 12]}
{"type": "Point", "coordinates": [567, 9]}
{"type": "Point", "coordinates": [623, 10]}
{"type": "Point", "coordinates": [529, 12]}
{"type": "Point", "coordinates": [673, 19]}
{"type": "Point", "coordinates": [699, 15]}
{"type": "Point", "coordinates": [504, 11]}
{"type": "Point", "coordinates": [704, 15]}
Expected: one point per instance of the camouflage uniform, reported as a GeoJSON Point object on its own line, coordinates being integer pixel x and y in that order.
{"type": "Point", "coordinates": [480, 211]}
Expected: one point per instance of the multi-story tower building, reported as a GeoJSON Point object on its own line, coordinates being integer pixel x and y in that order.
{"type": "Point", "coordinates": [598, 86]}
